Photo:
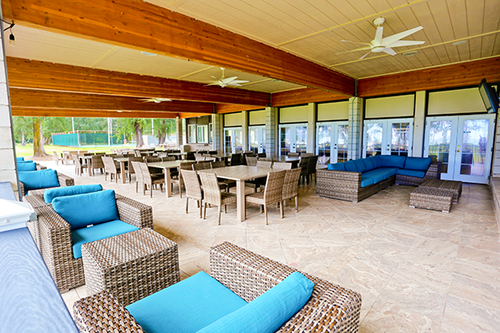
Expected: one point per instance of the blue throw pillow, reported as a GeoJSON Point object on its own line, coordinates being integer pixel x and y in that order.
{"type": "Point", "coordinates": [350, 166]}
{"type": "Point", "coordinates": [25, 161]}
{"type": "Point", "coordinates": [90, 208]}
{"type": "Point", "coordinates": [368, 163]}
{"type": "Point", "coordinates": [52, 193]}
{"type": "Point", "coordinates": [336, 167]}
{"type": "Point", "coordinates": [19, 159]}
{"type": "Point", "coordinates": [26, 166]}
{"type": "Point", "coordinates": [418, 163]}
{"type": "Point", "coordinates": [360, 166]}
{"type": "Point", "coordinates": [268, 312]}
{"type": "Point", "coordinates": [392, 161]}
{"type": "Point", "coordinates": [34, 180]}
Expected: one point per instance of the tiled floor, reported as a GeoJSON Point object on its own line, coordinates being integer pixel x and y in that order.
{"type": "Point", "coordinates": [417, 270]}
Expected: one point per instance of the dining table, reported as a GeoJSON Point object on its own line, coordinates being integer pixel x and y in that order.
{"type": "Point", "coordinates": [166, 167]}
{"type": "Point", "coordinates": [240, 173]}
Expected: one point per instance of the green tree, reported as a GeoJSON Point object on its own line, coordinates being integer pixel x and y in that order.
{"type": "Point", "coordinates": [54, 125]}
{"type": "Point", "coordinates": [163, 127]}
{"type": "Point", "coordinates": [132, 126]}
{"type": "Point", "coordinates": [90, 124]}
{"type": "Point", "coordinates": [23, 129]}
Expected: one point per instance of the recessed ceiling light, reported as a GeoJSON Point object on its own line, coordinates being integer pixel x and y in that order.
{"type": "Point", "coordinates": [410, 54]}
{"type": "Point", "coordinates": [148, 54]}
{"type": "Point", "coordinates": [460, 42]}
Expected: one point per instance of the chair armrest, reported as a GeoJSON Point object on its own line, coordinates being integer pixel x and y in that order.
{"type": "Point", "coordinates": [330, 309]}
{"type": "Point", "coordinates": [21, 189]}
{"type": "Point", "coordinates": [434, 171]}
{"type": "Point", "coordinates": [40, 167]}
{"type": "Point", "coordinates": [65, 180]}
{"type": "Point", "coordinates": [102, 313]}
{"type": "Point", "coordinates": [134, 212]}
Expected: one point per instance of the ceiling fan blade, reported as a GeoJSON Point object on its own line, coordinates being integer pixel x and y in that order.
{"type": "Point", "coordinates": [359, 49]}
{"type": "Point", "coordinates": [378, 35]}
{"type": "Point", "coordinates": [238, 81]}
{"type": "Point", "coordinates": [350, 41]}
{"type": "Point", "coordinates": [215, 77]}
{"type": "Point", "coordinates": [365, 55]}
{"type": "Point", "coordinates": [229, 79]}
{"type": "Point", "coordinates": [390, 51]}
{"type": "Point", "coordinates": [391, 39]}
{"type": "Point", "coordinates": [405, 43]}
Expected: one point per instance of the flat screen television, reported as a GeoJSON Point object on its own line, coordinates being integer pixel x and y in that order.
{"type": "Point", "coordinates": [489, 96]}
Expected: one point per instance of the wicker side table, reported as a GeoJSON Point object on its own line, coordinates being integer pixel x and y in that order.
{"type": "Point", "coordinates": [131, 266]}
{"type": "Point", "coordinates": [431, 198]}
{"type": "Point", "coordinates": [451, 185]}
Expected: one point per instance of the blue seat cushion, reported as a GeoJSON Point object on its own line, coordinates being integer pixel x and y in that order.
{"type": "Point", "coordinates": [413, 173]}
{"type": "Point", "coordinates": [368, 163]}
{"type": "Point", "coordinates": [360, 166]}
{"type": "Point", "coordinates": [350, 166]}
{"type": "Point", "coordinates": [392, 161]}
{"type": "Point", "coordinates": [380, 174]}
{"type": "Point", "coordinates": [34, 180]}
{"type": "Point", "coordinates": [418, 163]}
{"type": "Point", "coordinates": [366, 180]}
{"type": "Point", "coordinates": [268, 312]}
{"type": "Point", "coordinates": [376, 160]}
{"type": "Point", "coordinates": [26, 166]}
{"type": "Point", "coordinates": [81, 210]}
{"type": "Point", "coordinates": [336, 167]}
{"type": "Point", "coordinates": [25, 161]}
{"type": "Point", "coordinates": [52, 193]}
{"type": "Point", "coordinates": [96, 232]}
{"type": "Point", "coordinates": [185, 307]}
{"type": "Point", "coordinates": [19, 159]}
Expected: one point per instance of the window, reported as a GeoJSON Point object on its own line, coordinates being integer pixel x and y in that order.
{"type": "Point", "coordinates": [191, 133]}
{"type": "Point", "coordinates": [202, 133]}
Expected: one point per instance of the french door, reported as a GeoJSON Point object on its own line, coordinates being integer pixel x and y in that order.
{"type": "Point", "coordinates": [233, 142]}
{"type": "Point", "coordinates": [388, 137]}
{"type": "Point", "coordinates": [331, 141]}
{"type": "Point", "coordinates": [293, 139]}
{"type": "Point", "coordinates": [257, 138]}
{"type": "Point", "coordinates": [463, 144]}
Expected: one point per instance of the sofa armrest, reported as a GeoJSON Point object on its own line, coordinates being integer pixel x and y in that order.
{"type": "Point", "coordinates": [102, 313]}
{"type": "Point", "coordinates": [434, 171]}
{"type": "Point", "coordinates": [21, 189]}
{"type": "Point", "coordinates": [343, 176]}
{"type": "Point", "coordinates": [330, 309]}
{"type": "Point", "coordinates": [65, 180]}
{"type": "Point", "coordinates": [40, 167]}
{"type": "Point", "coordinates": [134, 212]}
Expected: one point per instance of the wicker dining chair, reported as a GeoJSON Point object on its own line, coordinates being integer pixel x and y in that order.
{"type": "Point", "coordinates": [264, 164]}
{"type": "Point", "coordinates": [304, 165]}
{"type": "Point", "coordinates": [290, 154]}
{"type": "Point", "coordinates": [229, 182]}
{"type": "Point", "coordinates": [193, 188]}
{"type": "Point", "coordinates": [152, 159]}
{"type": "Point", "coordinates": [282, 166]}
{"type": "Point", "coordinates": [79, 166]}
{"type": "Point", "coordinates": [208, 165]}
{"type": "Point", "coordinates": [97, 163]}
{"type": "Point", "coordinates": [306, 154]}
{"type": "Point", "coordinates": [150, 179]}
{"type": "Point", "coordinates": [111, 168]}
{"type": "Point", "coordinates": [311, 168]}
{"type": "Point", "coordinates": [251, 160]}
{"type": "Point", "coordinates": [290, 185]}
{"type": "Point", "coordinates": [235, 159]}
{"type": "Point", "coordinates": [139, 179]}
{"type": "Point", "coordinates": [58, 158]}
{"type": "Point", "coordinates": [273, 193]}
{"type": "Point", "coordinates": [258, 182]}
{"type": "Point", "coordinates": [178, 180]}
{"type": "Point", "coordinates": [212, 194]}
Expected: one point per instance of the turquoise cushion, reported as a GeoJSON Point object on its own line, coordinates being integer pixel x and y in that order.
{"type": "Point", "coordinates": [19, 159]}
{"type": "Point", "coordinates": [392, 161]}
{"type": "Point", "coordinates": [350, 166]}
{"type": "Point", "coordinates": [380, 174]}
{"type": "Point", "coordinates": [26, 166]}
{"type": "Point", "coordinates": [99, 231]}
{"type": "Point", "coordinates": [39, 179]}
{"type": "Point", "coordinates": [418, 163]}
{"type": "Point", "coordinates": [52, 193]}
{"type": "Point", "coordinates": [413, 173]}
{"type": "Point", "coordinates": [336, 167]}
{"type": "Point", "coordinates": [376, 160]}
{"type": "Point", "coordinates": [25, 161]}
{"type": "Point", "coordinates": [368, 163]}
{"type": "Point", "coordinates": [360, 166]}
{"type": "Point", "coordinates": [185, 307]}
{"type": "Point", "coordinates": [90, 208]}
{"type": "Point", "coordinates": [366, 180]}
{"type": "Point", "coordinates": [268, 312]}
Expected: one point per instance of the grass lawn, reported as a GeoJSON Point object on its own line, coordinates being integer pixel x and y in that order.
{"type": "Point", "coordinates": [27, 150]}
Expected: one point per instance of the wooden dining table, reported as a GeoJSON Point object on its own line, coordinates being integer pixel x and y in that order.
{"type": "Point", "coordinates": [166, 167]}
{"type": "Point", "coordinates": [240, 173]}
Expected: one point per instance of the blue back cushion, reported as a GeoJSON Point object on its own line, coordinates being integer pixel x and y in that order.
{"type": "Point", "coordinates": [336, 167]}
{"type": "Point", "coordinates": [90, 208]}
{"type": "Point", "coordinates": [418, 163]}
{"type": "Point", "coordinates": [376, 161]}
{"type": "Point", "coordinates": [19, 159]}
{"type": "Point", "coordinates": [360, 166]}
{"type": "Point", "coordinates": [392, 161]}
{"type": "Point", "coordinates": [268, 312]}
{"type": "Point", "coordinates": [24, 166]}
{"type": "Point", "coordinates": [350, 166]}
{"type": "Point", "coordinates": [52, 193]}
{"type": "Point", "coordinates": [368, 163]}
{"type": "Point", "coordinates": [185, 307]}
{"type": "Point", "coordinates": [96, 232]}
{"type": "Point", "coordinates": [25, 161]}
{"type": "Point", "coordinates": [39, 179]}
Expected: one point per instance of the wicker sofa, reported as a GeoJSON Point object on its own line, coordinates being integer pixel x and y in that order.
{"type": "Point", "coordinates": [350, 184]}
{"type": "Point", "coordinates": [53, 235]}
{"type": "Point", "coordinates": [331, 308]}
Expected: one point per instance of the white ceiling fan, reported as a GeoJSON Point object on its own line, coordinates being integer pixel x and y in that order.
{"type": "Point", "coordinates": [155, 100]}
{"type": "Point", "coordinates": [226, 81]}
{"type": "Point", "coordinates": [379, 44]}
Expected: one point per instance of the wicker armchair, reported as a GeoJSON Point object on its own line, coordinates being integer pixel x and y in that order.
{"type": "Point", "coordinates": [63, 181]}
{"type": "Point", "coordinates": [331, 307]}
{"type": "Point", "coordinates": [55, 239]}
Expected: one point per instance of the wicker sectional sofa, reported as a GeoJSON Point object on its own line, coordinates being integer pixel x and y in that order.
{"type": "Point", "coordinates": [357, 180]}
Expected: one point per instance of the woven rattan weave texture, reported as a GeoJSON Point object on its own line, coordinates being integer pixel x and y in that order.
{"type": "Point", "coordinates": [431, 198]}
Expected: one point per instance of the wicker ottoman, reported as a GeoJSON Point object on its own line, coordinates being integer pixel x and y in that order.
{"type": "Point", "coordinates": [431, 198]}
{"type": "Point", "coordinates": [131, 266]}
{"type": "Point", "coordinates": [451, 185]}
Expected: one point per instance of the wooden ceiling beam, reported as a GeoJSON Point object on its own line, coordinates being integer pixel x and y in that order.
{"type": "Point", "coordinates": [144, 26]}
{"type": "Point", "coordinates": [304, 96]}
{"type": "Point", "coordinates": [47, 112]}
{"type": "Point", "coordinates": [64, 100]}
{"type": "Point", "coordinates": [32, 74]}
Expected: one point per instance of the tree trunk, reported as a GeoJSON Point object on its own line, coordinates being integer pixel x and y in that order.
{"type": "Point", "coordinates": [38, 150]}
{"type": "Point", "coordinates": [138, 135]}
{"type": "Point", "coordinates": [23, 142]}
{"type": "Point", "coordinates": [161, 137]}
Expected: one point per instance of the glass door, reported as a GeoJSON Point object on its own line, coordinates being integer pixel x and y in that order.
{"type": "Point", "coordinates": [256, 139]}
{"type": "Point", "coordinates": [293, 139]}
{"type": "Point", "coordinates": [388, 137]}
{"type": "Point", "coordinates": [331, 142]}
{"type": "Point", "coordinates": [232, 140]}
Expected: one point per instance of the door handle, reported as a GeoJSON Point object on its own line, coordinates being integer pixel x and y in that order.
{"type": "Point", "coordinates": [458, 151]}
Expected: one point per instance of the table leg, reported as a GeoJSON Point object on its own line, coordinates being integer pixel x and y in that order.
{"type": "Point", "coordinates": [240, 197]}
{"type": "Point", "coordinates": [122, 167]}
{"type": "Point", "coordinates": [89, 166]}
{"type": "Point", "coordinates": [167, 182]}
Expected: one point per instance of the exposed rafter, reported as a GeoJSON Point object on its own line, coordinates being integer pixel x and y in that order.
{"type": "Point", "coordinates": [42, 112]}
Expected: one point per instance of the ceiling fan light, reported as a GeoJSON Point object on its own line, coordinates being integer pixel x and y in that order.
{"type": "Point", "coordinates": [410, 54]}
{"type": "Point", "coordinates": [12, 39]}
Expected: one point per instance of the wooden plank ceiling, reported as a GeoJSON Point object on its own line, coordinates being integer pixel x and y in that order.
{"type": "Point", "coordinates": [280, 47]}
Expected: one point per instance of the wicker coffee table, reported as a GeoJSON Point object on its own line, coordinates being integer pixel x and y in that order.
{"type": "Point", "coordinates": [431, 198]}
{"type": "Point", "coordinates": [451, 185]}
{"type": "Point", "coordinates": [131, 266]}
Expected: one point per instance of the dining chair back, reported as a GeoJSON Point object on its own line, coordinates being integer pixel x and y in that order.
{"type": "Point", "coordinates": [290, 185]}
{"type": "Point", "coordinates": [152, 159]}
{"type": "Point", "coordinates": [273, 193]}
{"type": "Point", "coordinates": [264, 164]}
{"type": "Point", "coordinates": [304, 165]}
{"type": "Point", "coordinates": [202, 166]}
{"type": "Point", "coordinates": [282, 166]}
{"type": "Point", "coordinates": [139, 179]}
{"type": "Point", "coordinates": [58, 158]}
{"type": "Point", "coordinates": [212, 194]}
{"type": "Point", "coordinates": [311, 167]}
{"type": "Point", "coordinates": [193, 189]}
{"type": "Point", "coordinates": [306, 154]}
{"type": "Point", "coordinates": [97, 163]}
{"type": "Point", "coordinates": [111, 168]}
{"type": "Point", "coordinates": [218, 164]}
{"type": "Point", "coordinates": [79, 166]}
{"type": "Point", "coordinates": [150, 180]}
{"type": "Point", "coordinates": [235, 159]}
{"type": "Point", "coordinates": [251, 160]}
{"type": "Point", "coordinates": [290, 154]}
{"type": "Point", "coordinates": [130, 168]}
